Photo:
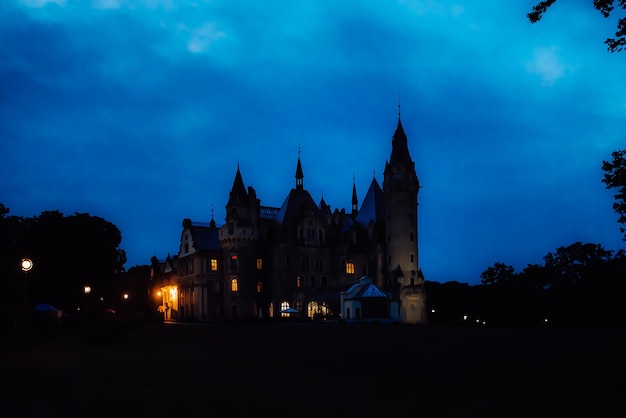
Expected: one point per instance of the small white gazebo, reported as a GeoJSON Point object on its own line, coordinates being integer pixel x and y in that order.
{"type": "Point", "coordinates": [364, 302]}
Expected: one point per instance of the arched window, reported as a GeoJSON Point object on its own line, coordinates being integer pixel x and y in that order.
{"type": "Point", "coordinates": [234, 285]}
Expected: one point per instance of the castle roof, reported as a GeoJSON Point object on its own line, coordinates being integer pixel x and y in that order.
{"type": "Point", "coordinates": [296, 203]}
{"type": "Point", "coordinates": [373, 206]}
{"type": "Point", "coordinates": [365, 288]}
{"type": "Point", "coordinates": [399, 146]}
{"type": "Point", "coordinates": [205, 236]}
{"type": "Point", "coordinates": [238, 194]}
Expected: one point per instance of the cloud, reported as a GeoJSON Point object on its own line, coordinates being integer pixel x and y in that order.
{"type": "Point", "coordinates": [107, 4]}
{"type": "Point", "coordinates": [431, 7]}
{"type": "Point", "coordinates": [144, 97]}
{"type": "Point", "coordinates": [203, 37]}
{"type": "Point", "coordinates": [547, 64]}
{"type": "Point", "coordinates": [42, 3]}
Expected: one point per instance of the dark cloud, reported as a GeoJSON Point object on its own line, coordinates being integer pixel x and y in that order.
{"type": "Point", "coordinates": [142, 115]}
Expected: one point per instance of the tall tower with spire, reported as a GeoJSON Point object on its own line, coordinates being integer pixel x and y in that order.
{"type": "Point", "coordinates": [400, 189]}
{"type": "Point", "coordinates": [239, 238]}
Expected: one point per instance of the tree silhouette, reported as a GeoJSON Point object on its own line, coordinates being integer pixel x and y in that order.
{"type": "Point", "coordinates": [69, 252]}
{"type": "Point", "coordinates": [499, 273]}
{"type": "Point", "coordinates": [615, 178]}
{"type": "Point", "coordinates": [605, 7]}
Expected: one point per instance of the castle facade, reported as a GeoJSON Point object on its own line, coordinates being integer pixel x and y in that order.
{"type": "Point", "coordinates": [296, 260]}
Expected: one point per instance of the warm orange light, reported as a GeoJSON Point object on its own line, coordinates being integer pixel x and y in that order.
{"type": "Point", "coordinates": [125, 296]}
{"type": "Point", "coordinates": [26, 264]}
{"type": "Point", "coordinates": [159, 293]}
{"type": "Point", "coordinates": [87, 290]}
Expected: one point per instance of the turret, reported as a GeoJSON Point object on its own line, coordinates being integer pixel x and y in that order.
{"type": "Point", "coordinates": [241, 215]}
{"type": "Point", "coordinates": [299, 174]}
{"type": "Point", "coordinates": [400, 188]}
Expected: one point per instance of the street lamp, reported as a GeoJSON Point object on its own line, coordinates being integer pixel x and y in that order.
{"type": "Point", "coordinates": [87, 291]}
{"type": "Point", "coordinates": [125, 297]}
{"type": "Point", "coordinates": [26, 265]}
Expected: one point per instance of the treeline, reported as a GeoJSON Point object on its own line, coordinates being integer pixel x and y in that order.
{"type": "Point", "coordinates": [68, 252]}
{"type": "Point", "coordinates": [578, 285]}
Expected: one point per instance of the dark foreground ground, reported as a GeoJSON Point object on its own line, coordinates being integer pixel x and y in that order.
{"type": "Point", "coordinates": [319, 370]}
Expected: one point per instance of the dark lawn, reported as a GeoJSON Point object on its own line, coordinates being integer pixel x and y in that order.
{"type": "Point", "coordinates": [306, 370]}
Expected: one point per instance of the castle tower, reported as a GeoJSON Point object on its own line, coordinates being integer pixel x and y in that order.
{"type": "Point", "coordinates": [400, 189]}
{"type": "Point", "coordinates": [239, 237]}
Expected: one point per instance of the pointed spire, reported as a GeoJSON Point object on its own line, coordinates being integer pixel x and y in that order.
{"type": "Point", "coordinates": [400, 150]}
{"type": "Point", "coordinates": [399, 134]}
{"type": "Point", "coordinates": [398, 106]}
{"type": "Point", "coordinates": [238, 192]}
{"type": "Point", "coordinates": [212, 223]}
{"type": "Point", "coordinates": [322, 205]}
{"type": "Point", "coordinates": [299, 173]}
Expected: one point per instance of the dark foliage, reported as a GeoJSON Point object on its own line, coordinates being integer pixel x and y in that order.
{"type": "Point", "coordinates": [605, 7]}
{"type": "Point", "coordinates": [615, 178]}
{"type": "Point", "coordinates": [68, 253]}
{"type": "Point", "coordinates": [578, 285]}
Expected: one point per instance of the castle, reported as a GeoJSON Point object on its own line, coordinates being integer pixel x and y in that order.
{"type": "Point", "coordinates": [302, 259]}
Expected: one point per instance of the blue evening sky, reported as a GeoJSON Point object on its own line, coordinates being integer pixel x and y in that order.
{"type": "Point", "coordinates": [140, 111]}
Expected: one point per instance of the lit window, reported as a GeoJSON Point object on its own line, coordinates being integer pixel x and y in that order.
{"type": "Point", "coordinates": [299, 281]}
{"type": "Point", "coordinates": [259, 264]}
{"type": "Point", "coordinates": [233, 262]}
{"type": "Point", "coordinates": [259, 287]}
{"type": "Point", "coordinates": [283, 307]}
{"type": "Point", "coordinates": [349, 267]}
{"type": "Point", "coordinates": [214, 264]}
{"type": "Point", "coordinates": [234, 285]}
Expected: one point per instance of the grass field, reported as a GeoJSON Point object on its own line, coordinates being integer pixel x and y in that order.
{"type": "Point", "coordinates": [319, 370]}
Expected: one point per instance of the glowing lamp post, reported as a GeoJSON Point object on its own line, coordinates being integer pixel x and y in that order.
{"type": "Point", "coordinates": [87, 291]}
{"type": "Point", "coordinates": [125, 297]}
{"type": "Point", "coordinates": [26, 265]}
